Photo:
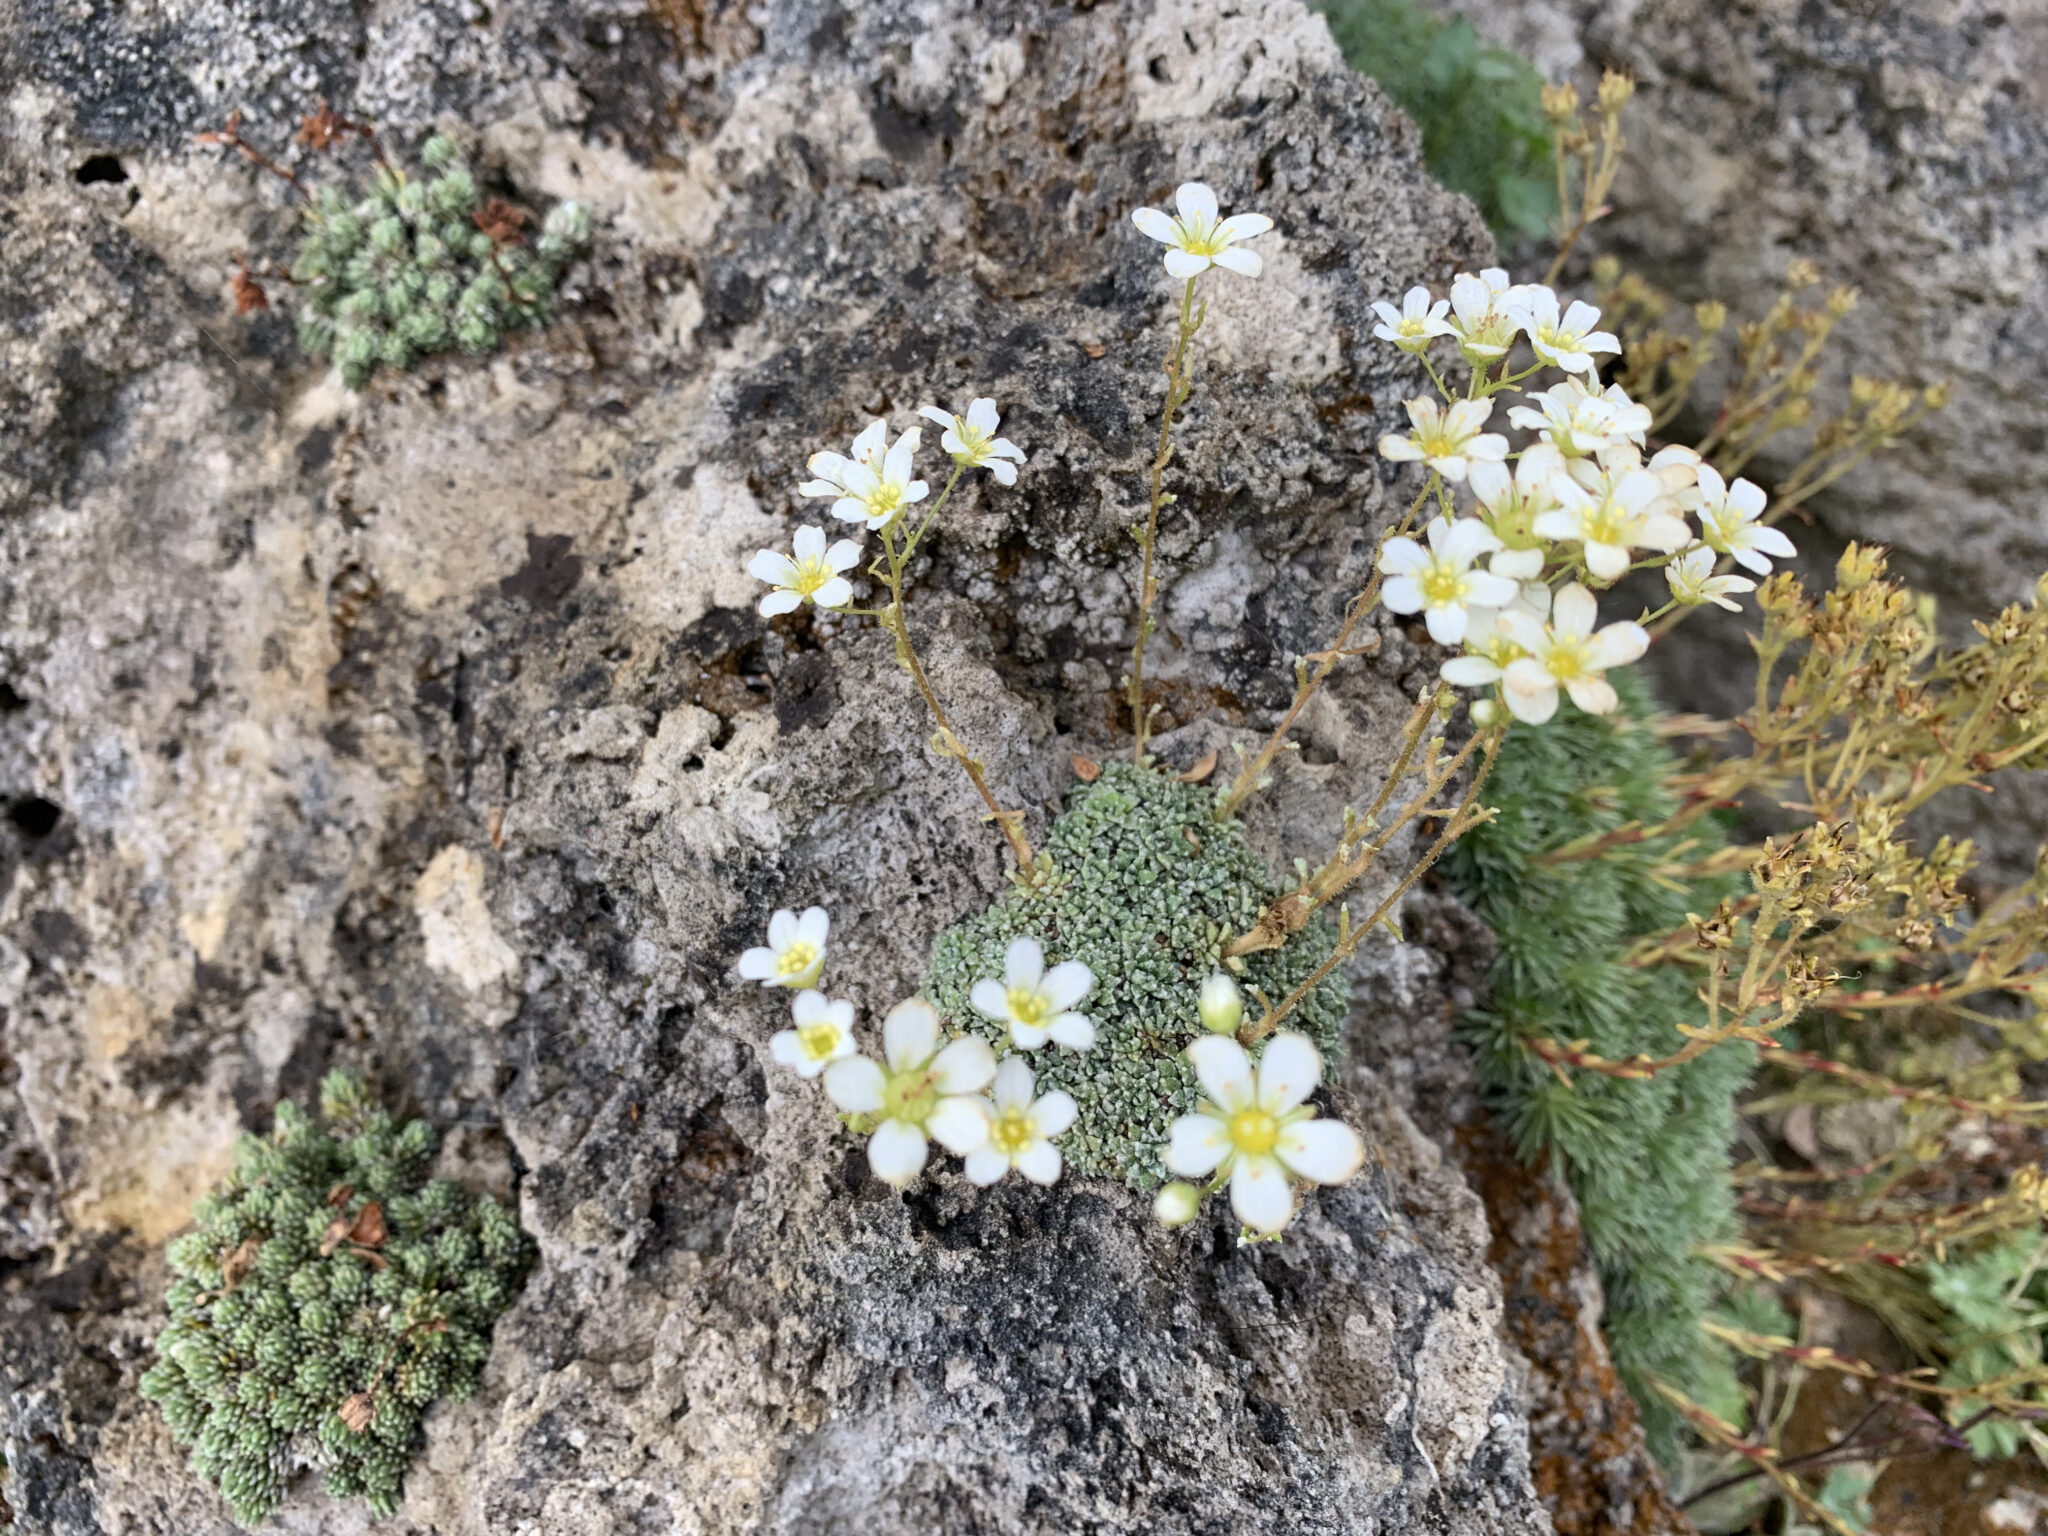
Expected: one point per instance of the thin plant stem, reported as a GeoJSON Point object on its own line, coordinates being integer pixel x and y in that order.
{"type": "Point", "coordinates": [1179, 384]}
{"type": "Point", "coordinates": [946, 741]}
{"type": "Point", "coordinates": [1309, 679]}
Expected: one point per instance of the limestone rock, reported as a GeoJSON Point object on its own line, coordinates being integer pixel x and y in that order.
{"type": "Point", "coordinates": [433, 732]}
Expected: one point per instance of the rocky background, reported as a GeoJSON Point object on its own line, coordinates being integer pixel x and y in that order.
{"type": "Point", "coordinates": [433, 732]}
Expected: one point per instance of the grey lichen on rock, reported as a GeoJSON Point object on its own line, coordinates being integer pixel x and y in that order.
{"type": "Point", "coordinates": [1146, 888]}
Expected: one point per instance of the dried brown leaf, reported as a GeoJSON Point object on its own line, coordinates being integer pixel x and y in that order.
{"type": "Point", "coordinates": [1086, 769]}
{"type": "Point", "coordinates": [1201, 770]}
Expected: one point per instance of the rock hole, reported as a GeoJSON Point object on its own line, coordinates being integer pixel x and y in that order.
{"type": "Point", "coordinates": [10, 700]}
{"type": "Point", "coordinates": [99, 168]}
{"type": "Point", "coordinates": [33, 816]}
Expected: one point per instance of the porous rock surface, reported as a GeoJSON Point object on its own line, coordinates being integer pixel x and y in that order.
{"type": "Point", "coordinates": [1902, 145]}
{"type": "Point", "coordinates": [433, 732]}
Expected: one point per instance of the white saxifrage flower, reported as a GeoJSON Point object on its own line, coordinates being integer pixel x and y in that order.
{"type": "Point", "coordinates": [916, 1092]}
{"type": "Point", "coordinates": [1692, 581]}
{"type": "Point", "coordinates": [830, 468]}
{"type": "Point", "coordinates": [972, 442]}
{"type": "Point", "coordinates": [1439, 582]}
{"type": "Point", "coordinates": [1449, 442]}
{"type": "Point", "coordinates": [1511, 503]}
{"type": "Point", "coordinates": [1417, 323]}
{"type": "Point", "coordinates": [1255, 1129]}
{"type": "Point", "coordinates": [1488, 645]}
{"type": "Point", "coordinates": [812, 576]}
{"type": "Point", "coordinates": [1035, 1003]}
{"type": "Point", "coordinates": [823, 1034]}
{"type": "Point", "coordinates": [1728, 522]}
{"type": "Point", "coordinates": [795, 953]}
{"type": "Point", "coordinates": [1566, 653]}
{"type": "Point", "coordinates": [869, 491]}
{"type": "Point", "coordinates": [1199, 239]}
{"type": "Point", "coordinates": [1021, 1128]}
{"type": "Point", "coordinates": [1481, 322]}
{"type": "Point", "coordinates": [1616, 514]}
{"type": "Point", "coordinates": [1566, 342]}
{"type": "Point", "coordinates": [1578, 421]}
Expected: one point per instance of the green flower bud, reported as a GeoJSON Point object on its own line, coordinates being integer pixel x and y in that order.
{"type": "Point", "coordinates": [1221, 1006]}
{"type": "Point", "coordinates": [1176, 1204]}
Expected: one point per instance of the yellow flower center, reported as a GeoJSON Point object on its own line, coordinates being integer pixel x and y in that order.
{"type": "Point", "coordinates": [808, 577]}
{"type": "Point", "coordinates": [885, 501]}
{"type": "Point", "coordinates": [1011, 1132]}
{"type": "Point", "coordinates": [910, 1096]}
{"type": "Point", "coordinates": [1569, 657]}
{"type": "Point", "coordinates": [1199, 238]}
{"type": "Point", "coordinates": [819, 1040]}
{"type": "Point", "coordinates": [1253, 1131]}
{"type": "Point", "coordinates": [1442, 584]}
{"type": "Point", "coordinates": [1437, 442]}
{"type": "Point", "coordinates": [973, 441]}
{"type": "Point", "coordinates": [1028, 1005]}
{"type": "Point", "coordinates": [1605, 524]}
{"type": "Point", "coordinates": [1558, 338]}
{"type": "Point", "coordinates": [798, 959]}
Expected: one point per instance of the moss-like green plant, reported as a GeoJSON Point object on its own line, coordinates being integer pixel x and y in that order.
{"type": "Point", "coordinates": [1479, 107]}
{"type": "Point", "coordinates": [401, 267]}
{"type": "Point", "coordinates": [1149, 888]}
{"type": "Point", "coordinates": [1647, 1159]}
{"type": "Point", "coordinates": [328, 1295]}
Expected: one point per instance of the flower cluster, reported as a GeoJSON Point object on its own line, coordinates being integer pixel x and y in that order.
{"type": "Point", "coordinates": [874, 484]}
{"type": "Point", "coordinates": [924, 1088]}
{"type": "Point", "coordinates": [1251, 1130]}
{"type": "Point", "coordinates": [1585, 500]}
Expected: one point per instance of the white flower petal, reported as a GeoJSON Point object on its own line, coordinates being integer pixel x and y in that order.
{"type": "Point", "coordinates": [1224, 1071]}
{"type": "Point", "coordinates": [1156, 224]}
{"type": "Point", "coordinates": [1183, 264]}
{"type": "Point", "coordinates": [836, 593]}
{"type": "Point", "coordinates": [910, 1034]}
{"type": "Point", "coordinates": [786, 1048]}
{"type": "Point", "coordinates": [1023, 964]}
{"type": "Point", "coordinates": [1260, 1195]}
{"type": "Point", "coordinates": [1040, 1163]}
{"type": "Point", "coordinates": [990, 1000]}
{"type": "Point", "coordinates": [1244, 226]}
{"type": "Point", "coordinates": [856, 1084]}
{"type": "Point", "coordinates": [1402, 594]}
{"type": "Point", "coordinates": [1236, 259]}
{"type": "Point", "coordinates": [1075, 1031]}
{"type": "Point", "coordinates": [1054, 1114]}
{"type": "Point", "coordinates": [757, 964]}
{"type": "Point", "coordinates": [1196, 1145]}
{"type": "Point", "coordinates": [1595, 695]}
{"type": "Point", "coordinates": [1470, 671]}
{"type": "Point", "coordinates": [1028, 1037]}
{"type": "Point", "coordinates": [959, 1124]}
{"type": "Point", "coordinates": [985, 1165]}
{"type": "Point", "coordinates": [897, 1152]}
{"type": "Point", "coordinates": [1324, 1151]}
{"type": "Point", "coordinates": [1066, 984]}
{"type": "Point", "coordinates": [1289, 1070]}
{"type": "Point", "coordinates": [1012, 1086]}
{"type": "Point", "coordinates": [982, 416]}
{"type": "Point", "coordinates": [965, 1066]}
{"type": "Point", "coordinates": [1446, 623]}
{"type": "Point", "coordinates": [1196, 201]}
{"type": "Point", "coordinates": [1573, 611]}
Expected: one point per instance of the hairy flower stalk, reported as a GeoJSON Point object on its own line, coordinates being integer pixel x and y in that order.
{"type": "Point", "coordinates": [897, 548]}
{"type": "Point", "coordinates": [1179, 385]}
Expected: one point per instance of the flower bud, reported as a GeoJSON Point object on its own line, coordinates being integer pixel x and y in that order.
{"type": "Point", "coordinates": [1484, 712]}
{"type": "Point", "coordinates": [1221, 1005]}
{"type": "Point", "coordinates": [1177, 1204]}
